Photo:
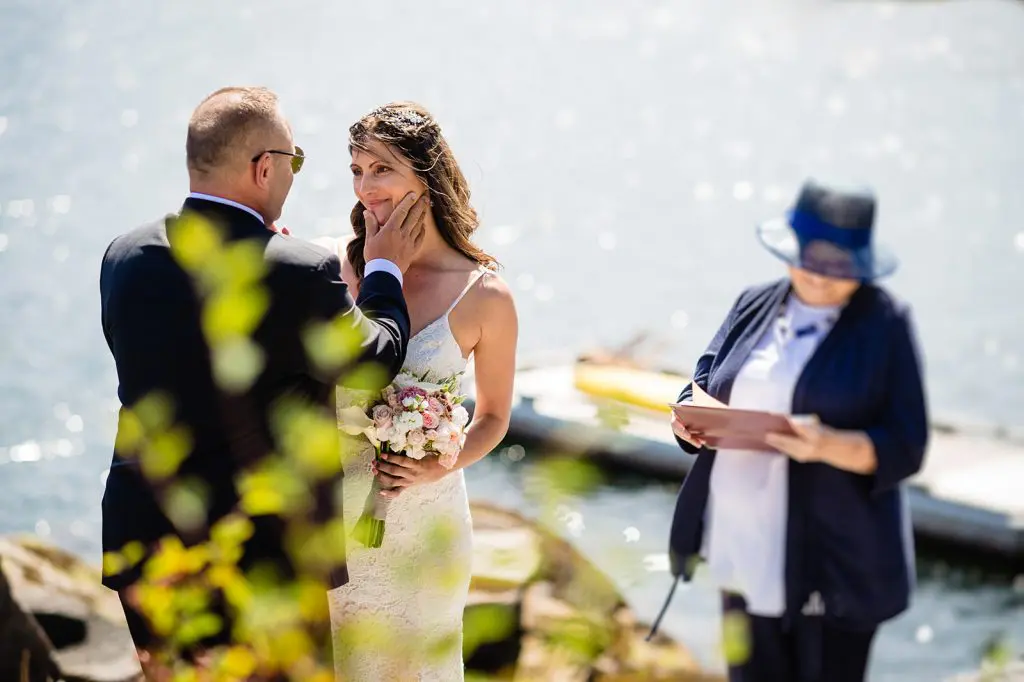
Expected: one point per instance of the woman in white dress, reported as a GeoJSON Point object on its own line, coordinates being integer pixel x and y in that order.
{"type": "Point", "coordinates": [400, 615]}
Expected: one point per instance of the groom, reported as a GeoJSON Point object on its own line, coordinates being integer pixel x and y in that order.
{"type": "Point", "coordinates": [241, 165]}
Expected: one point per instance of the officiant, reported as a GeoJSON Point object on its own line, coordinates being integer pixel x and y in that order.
{"type": "Point", "coordinates": [809, 540]}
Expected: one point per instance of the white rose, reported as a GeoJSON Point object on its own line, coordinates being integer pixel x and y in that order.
{"type": "Point", "coordinates": [407, 421]}
{"type": "Point", "coordinates": [416, 439]}
{"type": "Point", "coordinates": [398, 443]}
{"type": "Point", "coordinates": [460, 417]}
{"type": "Point", "coordinates": [415, 452]}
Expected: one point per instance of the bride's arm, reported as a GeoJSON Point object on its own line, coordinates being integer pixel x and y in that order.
{"type": "Point", "coordinates": [495, 368]}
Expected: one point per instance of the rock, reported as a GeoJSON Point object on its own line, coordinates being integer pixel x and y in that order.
{"type": "Point", "coordinates": [80, 628]}
{"type": "Point", "coordinates": [546, 613]}
{"type": "Point", "coordinates": [24, 647]}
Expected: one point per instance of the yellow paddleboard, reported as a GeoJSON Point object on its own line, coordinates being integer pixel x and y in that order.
{"type": "Point", "coordinates": [637, 387]}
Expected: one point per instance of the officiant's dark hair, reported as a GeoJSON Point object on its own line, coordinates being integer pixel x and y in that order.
{"type": "Point", "coordinates": [410, 130]}
{"type": "Point", "coordinates": [215, 130]}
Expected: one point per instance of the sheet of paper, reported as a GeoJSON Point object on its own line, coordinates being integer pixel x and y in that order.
{"type": "Point", "coordinates": [702, 399]}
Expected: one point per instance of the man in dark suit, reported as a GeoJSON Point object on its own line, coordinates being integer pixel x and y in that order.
{"type": "Point", "coordinates": [222, 406]}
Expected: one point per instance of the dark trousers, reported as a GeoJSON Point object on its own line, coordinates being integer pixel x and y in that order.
{"type": "Point", "coordinates": [810, 651]}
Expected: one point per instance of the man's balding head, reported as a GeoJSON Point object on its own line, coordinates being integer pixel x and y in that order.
{"type": "Point", "coordinates": [231, 125]}
{"type": "Point", "coordinates": [229, 136]}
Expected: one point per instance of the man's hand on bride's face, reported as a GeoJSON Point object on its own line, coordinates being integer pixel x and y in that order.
{"type": "Point", "coordinates": [399, 472]}
{"type": "Point", "coordinates": [400, 237]}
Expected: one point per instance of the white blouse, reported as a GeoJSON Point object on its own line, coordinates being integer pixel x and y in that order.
{"type": "Point", "coordinates": [745, 520]}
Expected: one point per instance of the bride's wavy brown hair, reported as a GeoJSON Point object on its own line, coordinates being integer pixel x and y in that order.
{"type": "Point", "coordinates": [410, 130]}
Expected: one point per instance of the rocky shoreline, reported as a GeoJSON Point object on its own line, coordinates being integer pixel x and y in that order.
{"type": "Point", "coordinates": [538, 611]}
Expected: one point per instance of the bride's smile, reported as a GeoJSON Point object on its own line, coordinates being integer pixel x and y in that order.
{"type": "Point", "coordinates": [380, 178]}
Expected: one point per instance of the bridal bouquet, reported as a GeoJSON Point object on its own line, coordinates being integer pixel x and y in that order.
{"type": "Point", "coordinates": [413, 417]}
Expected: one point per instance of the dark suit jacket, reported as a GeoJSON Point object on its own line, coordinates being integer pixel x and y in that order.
{"type": "Point", "coordinates": [151, 311]}
{"type": "Point", "coordinates": [848, 535]}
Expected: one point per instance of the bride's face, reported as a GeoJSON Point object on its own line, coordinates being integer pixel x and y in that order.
{"type": "Point", "coordinates": [381, 178]}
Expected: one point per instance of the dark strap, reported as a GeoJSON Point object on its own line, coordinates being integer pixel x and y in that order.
{"type": "Point", "coordinates": [664, 609]}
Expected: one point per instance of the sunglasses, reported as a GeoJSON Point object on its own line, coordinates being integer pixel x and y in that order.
{"type": "Point", "coordinates": [298, 157]}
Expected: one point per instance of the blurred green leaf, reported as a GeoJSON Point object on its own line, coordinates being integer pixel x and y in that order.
{"type": "Point", "coordinates": [236, 364]}
{"type": "Point", "coordinates": [613, 415]}
{"type": "Point", "coordinates": [194, 241]}
{"type": "Point", "coordinates": [232, 314]}
{"type": "Point", "coordinates": [154, 411]}
{"type": "Point", "coordinates": [308, 437]}
{"type": "Point", "coordinates": [273, 488]}
{"type": "Point", "coordinates": [185, 503]}
{"type": "Point", "coordinates": [333, 344]}
{"type": "Point", "coordinates": [735, 637]}
{"type": "Point", "coordinates": [487, 623]}
{"type": "Point", "coordinates": [555, 478]}
{"type": "Point", "coordinates": [164, 452]}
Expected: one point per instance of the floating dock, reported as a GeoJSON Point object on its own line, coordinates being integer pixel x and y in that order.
{"type": "Point", "coordinates": [970, 493]}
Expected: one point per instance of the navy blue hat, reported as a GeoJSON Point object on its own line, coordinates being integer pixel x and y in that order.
{"type": "Point", "coordinates": [829, 232]}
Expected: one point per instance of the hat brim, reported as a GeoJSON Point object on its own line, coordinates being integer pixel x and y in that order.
{"type": "Point", "coordinates": [867, 263]}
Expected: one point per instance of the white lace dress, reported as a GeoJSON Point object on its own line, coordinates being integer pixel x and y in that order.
{"type": "Point", "coordinates": [400, 615]}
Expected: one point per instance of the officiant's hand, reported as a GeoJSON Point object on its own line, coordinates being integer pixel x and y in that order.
{"type": "Point", "coordinates": [810, 444]}
{"type": "Point", "coordinates": [843, 449]}
{"type": "Point", "coordinates": [398, 472]}
{"type": "Point", "coordinates": [679, 428]}
{"type": "Point", "coordinates": [400, 237]}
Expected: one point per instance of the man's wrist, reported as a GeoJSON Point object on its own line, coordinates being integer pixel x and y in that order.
{"type": "Point", "coordinates": [383, 265]}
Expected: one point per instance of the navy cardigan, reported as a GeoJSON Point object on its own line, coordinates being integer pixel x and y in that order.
{"type": "Point", "coordinates": [848, 535]}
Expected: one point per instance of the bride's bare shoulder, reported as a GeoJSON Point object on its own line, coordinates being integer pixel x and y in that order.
{"type": "Point", "coordinates": [494, 298]}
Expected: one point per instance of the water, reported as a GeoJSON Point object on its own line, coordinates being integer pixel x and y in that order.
{"type": "Point", "coordinates": [619, 157]}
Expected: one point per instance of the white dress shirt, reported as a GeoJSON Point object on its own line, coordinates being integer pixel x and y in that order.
{"type": "Point", "coordinates": [375, 265]}
{"type": "Point", "coordinates": [747, 511]}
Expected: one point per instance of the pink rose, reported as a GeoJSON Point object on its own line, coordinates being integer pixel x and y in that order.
{"type": "Point", "coordinates": [391, 397]}
{"type": "Point", "coordinates": [382, 416]}
{"type": "Point", "coordinates": [431, 420]}
{"type": "Point", "coordinates": [447, 460]}
{"type": "Point", "coordinates": [435, 405]}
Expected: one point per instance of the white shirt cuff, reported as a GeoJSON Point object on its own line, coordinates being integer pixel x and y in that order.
{"type": "Point", "coordinates": [383, 265]}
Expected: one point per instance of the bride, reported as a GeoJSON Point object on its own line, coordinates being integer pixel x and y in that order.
{"type": "Point", "coordinates": [400, 615]}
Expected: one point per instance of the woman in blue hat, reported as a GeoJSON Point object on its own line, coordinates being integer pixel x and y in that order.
{"type": "Point", "coordinates": [812, 547]}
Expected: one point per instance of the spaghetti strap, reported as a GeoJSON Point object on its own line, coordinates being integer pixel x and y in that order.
{"type": "Point", "coordinates": [472, 281]}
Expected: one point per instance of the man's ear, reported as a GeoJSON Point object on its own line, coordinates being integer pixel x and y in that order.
{"type": "Point", "coordinates": [261, 171]}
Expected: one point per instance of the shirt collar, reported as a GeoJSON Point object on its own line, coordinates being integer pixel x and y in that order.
{"type": "Point", "coordinates": [227, 202]}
